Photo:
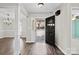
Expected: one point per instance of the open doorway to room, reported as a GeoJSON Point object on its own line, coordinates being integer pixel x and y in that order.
{"type": "Point", "coordinates": [40, 30]}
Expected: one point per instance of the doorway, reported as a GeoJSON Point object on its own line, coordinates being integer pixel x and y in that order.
{"type": "Point", "coordinates": [50, 30]}
{"type": "Point", "coordinates": [40, 30]}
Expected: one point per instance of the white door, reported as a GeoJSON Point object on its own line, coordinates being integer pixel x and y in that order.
{"type": "Point", "coordinates": [75, 32]}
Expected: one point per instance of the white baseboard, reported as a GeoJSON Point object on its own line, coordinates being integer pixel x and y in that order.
{"type": "Point", "coordinates": [30, 42]}
{"type": "Point", "coordinates": [6, 37]}
{"type": "Point", "coordinates": [75, 51]}
{"type": "Point", "coordinates": [1, 37]}
{"type": "Point", "coordinates": [61, 49]}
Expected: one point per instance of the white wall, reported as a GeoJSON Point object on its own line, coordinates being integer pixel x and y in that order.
{"type": "Point", "coordinates": [10, 30]}
{"type": "Point", "coordinates": [23, 21]}
{"type": "Point", "coordinates": [7, 30]}
{"type": "Point", "coordinates": [41, 15]}
{"type": "Point", "coordinates": [63, 29]}
{"type": "Point", "coordinates": [26, 24]}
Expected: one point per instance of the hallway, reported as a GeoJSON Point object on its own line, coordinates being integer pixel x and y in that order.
{"type": "Point", "coordinates": [37, 27]}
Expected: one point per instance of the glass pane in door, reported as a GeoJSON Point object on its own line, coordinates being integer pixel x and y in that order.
{"type": "Point", "coordinates": [75, 27]}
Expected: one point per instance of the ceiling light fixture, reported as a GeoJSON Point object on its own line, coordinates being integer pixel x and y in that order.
{"type": "Point", "coordinates": [40, 4]}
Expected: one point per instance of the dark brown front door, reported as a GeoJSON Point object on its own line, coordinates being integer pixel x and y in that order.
{"type": "Point", "coordinates": [50, 30]}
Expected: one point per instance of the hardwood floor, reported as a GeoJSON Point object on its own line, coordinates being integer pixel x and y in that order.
{"type": "Point", "coordinates": [40, 49]}
{"type": "Point", "coordinates": [6, 46]}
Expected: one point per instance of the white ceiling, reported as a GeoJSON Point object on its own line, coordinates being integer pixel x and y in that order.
{"type": "Point", "coordinates": [33, 8]}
